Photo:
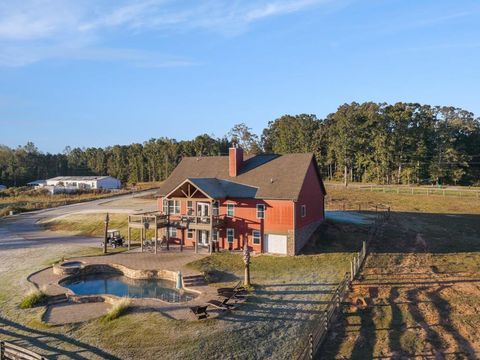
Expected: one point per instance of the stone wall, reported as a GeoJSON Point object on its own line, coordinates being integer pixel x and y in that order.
{"type": "Point", "coordinates": [291, 242]}
{"type": "Point", "coordinates": [303, 235]}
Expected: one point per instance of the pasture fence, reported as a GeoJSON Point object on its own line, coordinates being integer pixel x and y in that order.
{"type": "Point", "coordinates": [414, 190]}
{"type": "Point", "coordinates": [311, 345]}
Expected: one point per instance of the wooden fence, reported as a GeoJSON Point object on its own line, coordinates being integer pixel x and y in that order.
{"type": "Point", "coordinates": [10, 351]}
{"type": "Point", "coordinates": [316, 337]}
{"type": "Point", "coordinates": [414, 190]}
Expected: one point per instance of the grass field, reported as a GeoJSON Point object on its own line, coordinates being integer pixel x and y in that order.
{"type": "Point", "coordinates": [31, 200]}
{"type": "Point", "coordinates": [421, 282]}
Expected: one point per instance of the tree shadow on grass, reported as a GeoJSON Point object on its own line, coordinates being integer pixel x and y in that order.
{"type": "Point", "coordinates": [364, 345]}
{"type": "Point", "coordinates": [397, 325]}
{"type": "Point", "coordinates": [29, 337]}
{"type": "Point", "coordinates": [445, 312]}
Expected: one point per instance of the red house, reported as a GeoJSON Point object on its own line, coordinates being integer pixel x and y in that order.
{"type": "Point", "coordinates": [272, 203]}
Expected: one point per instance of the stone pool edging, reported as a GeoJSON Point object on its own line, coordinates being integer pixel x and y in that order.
{"type": "Point", "coordinates": [132, 265]}
{"type": "Point", "coordinates": [89, 269]}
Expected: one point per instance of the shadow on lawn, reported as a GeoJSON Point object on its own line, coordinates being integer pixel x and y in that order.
{"type": "Point", "coordinates": [288, 305]}
{"type": "Point", "coordinates": [29, 337]}
{"type": "Point", "coordinates": [442, 249]}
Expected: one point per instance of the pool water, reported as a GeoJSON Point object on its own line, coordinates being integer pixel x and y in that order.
{"type": "Point", "coordinates": [113, 284]}
{"type": "Point", "coordinates": [72, 264]}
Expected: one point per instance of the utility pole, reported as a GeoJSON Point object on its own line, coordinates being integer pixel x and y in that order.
{"type": "Point", "coordinates": [107, 219]}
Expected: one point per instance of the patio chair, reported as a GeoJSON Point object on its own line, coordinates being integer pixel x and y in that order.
{"type": "Point", "coordinates": [236, 288]}
{"type": "Point", "coordinates": [223, 305]}
{"type": "Point", "coordinates": [235, 295]}
{"type": "Point", "coordinates": [200, 311]}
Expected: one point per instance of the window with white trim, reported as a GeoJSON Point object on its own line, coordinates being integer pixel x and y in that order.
{"type": "Point", "coordinates": [215, 208]}
{"type": "Point", "coordinates": [256, 235]}
{"type": "Point", "coordinates": [230, 235]}
{"type": "Point", "coordinates": [303, 210]}
{"type": "Point", "coordinates": [172, 232]}
{"type": "Point", "coordinates": [215, 235]}
{"type": "Point", "coordinates": [174, 206]}
{"type": "Point", "coordinates": [189, 207]}
{"type": "Point", "coordinates": [231, 210]}
{"type": "Point", "coordinates": [190, 234]}
{"type": "Point", "coordinates": [260, 211]}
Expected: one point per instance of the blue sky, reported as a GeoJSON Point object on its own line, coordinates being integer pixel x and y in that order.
{"type": "Point", "coordinates": [96, 73]}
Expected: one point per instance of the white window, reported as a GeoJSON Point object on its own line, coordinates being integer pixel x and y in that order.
{"type": "Point", "coordinates": [303, 210]}
{"type": "Point", "coordinates": [215, 235]}
{"type": "Point", "coordinates": [231, 210]}
{"type": "Point", "coordinates": [215, 208]}
{"type": "Point", "coordinates": [172, 232]}
{"type": "Point", "coordinates": [189, 207]}
{"type": "Point", "coordinates": [189, 234]}
{"type": "Point", "coordinates": [256, 237]}
{"type": "Point", "coordinates": [260, 211]}
{"type": "Point", "coordinates": [174, 206]}
{"type": "Point", "coordinates": [165, 205]}
{"type": "Point", "coordinates": [230, 235]}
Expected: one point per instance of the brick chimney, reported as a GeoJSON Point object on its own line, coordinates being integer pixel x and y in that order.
{"type": "Point", "coordinates": [235, 160]}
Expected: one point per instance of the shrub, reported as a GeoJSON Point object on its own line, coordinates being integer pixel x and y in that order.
{"type": "Point", "coordinates": [119, 309]}
{"type": "Point", "coordinates": [33, 298]}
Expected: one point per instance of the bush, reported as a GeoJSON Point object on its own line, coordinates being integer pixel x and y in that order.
{"type": "Point", "coordinates": [119, 309]}
{"type": "Point", "coordinates": [33, 298]}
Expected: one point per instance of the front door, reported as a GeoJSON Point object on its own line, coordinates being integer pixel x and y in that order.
{"type": "Point", "coordinates": [203, 237]}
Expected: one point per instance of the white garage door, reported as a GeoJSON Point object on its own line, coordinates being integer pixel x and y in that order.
{"type": "Point", "coordinates": [276, 244]}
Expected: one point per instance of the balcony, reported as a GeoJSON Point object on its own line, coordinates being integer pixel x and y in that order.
{"type": "Point", "coordinates": [197, 222]}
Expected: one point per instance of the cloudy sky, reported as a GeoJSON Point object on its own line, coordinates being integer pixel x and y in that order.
{"type": "Point", "coordinates": [96, 73]}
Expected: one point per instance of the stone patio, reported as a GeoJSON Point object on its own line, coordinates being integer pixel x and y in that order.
{"type": "Point", "coordinates": [71, 312]}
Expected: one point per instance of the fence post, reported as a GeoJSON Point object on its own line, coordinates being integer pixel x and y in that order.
{"type": "Point", "coordinates": [310, 342]}
{"type": "Point", "coordinates": [364, 248]}
{"type": "Point", "coordinates": [325, 317]}
{"type": "Point", "coordinates": [2, 350]}
{"type": "Point", "coordinates": [352, 274]}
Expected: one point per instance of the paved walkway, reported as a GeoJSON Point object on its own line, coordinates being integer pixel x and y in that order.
{"type": "Point", "coordinates": [165, 260]}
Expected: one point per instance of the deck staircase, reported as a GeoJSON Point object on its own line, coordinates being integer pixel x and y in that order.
{"type": "Point", "coordinates": [194, 280]}
{"type": "Point", "coordinates": [57, 299]}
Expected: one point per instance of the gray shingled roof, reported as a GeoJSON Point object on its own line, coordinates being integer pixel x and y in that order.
{"type": "Point", "coordinates": [261, 176]}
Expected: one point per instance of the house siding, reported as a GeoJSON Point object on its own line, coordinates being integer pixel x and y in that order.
{"type": "Point", "coordinates": [312, 196]}
{"type": "Point", "coordinates": [278, 219]}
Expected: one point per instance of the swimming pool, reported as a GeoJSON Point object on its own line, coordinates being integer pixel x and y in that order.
{"type": "Point", "coordinates": [119, 285]}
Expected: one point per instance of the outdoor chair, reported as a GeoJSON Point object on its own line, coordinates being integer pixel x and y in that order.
{"type": "Point", "coordinates": [223, 305]}
{"type": "Point", "coordinates": [200, 311]}
{"type": "Point", "coordinates": [236, 288]}
{"type": "Point", "coordinates": [236, 295]}
{"type": "Point", "coordinates": [241, 291]}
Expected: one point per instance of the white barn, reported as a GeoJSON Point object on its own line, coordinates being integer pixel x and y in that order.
{"type": "Point", "coordinates": [85, 182]}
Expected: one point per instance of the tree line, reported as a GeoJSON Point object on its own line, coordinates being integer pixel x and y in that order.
{"type": "Point", "coordinates": [403, 143]}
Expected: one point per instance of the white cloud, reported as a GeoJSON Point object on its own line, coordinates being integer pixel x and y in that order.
{"type": "Point", "coordinates": [33, 30]}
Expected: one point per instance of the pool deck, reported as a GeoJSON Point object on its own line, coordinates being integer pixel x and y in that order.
{"type": "Point", "coordinates": [134, 260]}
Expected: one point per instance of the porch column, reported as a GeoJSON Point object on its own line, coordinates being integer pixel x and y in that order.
{"type": "Point", "coordinates": [182, 239]}
{"type": "Point", "coordinates": [210, 235]}
{"type": "Point", "coordinates": [210, 239]}
{"type": "Point", "coordinates": [168, 232]}
{"type": "Point", "coordinates": [196, 241]}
